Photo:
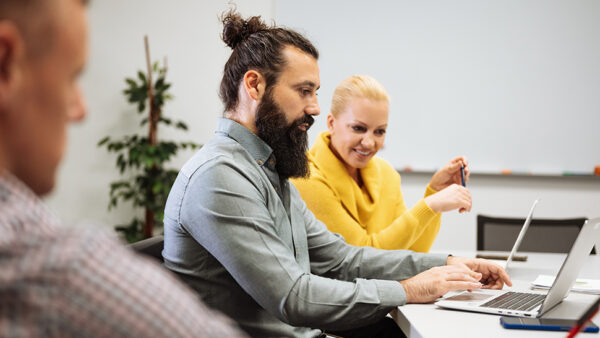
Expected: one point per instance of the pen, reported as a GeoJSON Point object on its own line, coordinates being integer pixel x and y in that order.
{"type": "Point", "coordinates": [587, 316]}
{"type": "Point", "coordinates": [462, 175]}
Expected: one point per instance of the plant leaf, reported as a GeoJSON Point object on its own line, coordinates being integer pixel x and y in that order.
{"type": "Point", "coordinates": [103, 141]}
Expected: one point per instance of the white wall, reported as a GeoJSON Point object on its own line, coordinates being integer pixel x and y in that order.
{"type": "Point", "coordinates": [513, 84]}
{"type": "Point", "coordinates": [187, 31]}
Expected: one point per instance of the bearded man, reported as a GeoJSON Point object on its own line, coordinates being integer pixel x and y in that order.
{"type": "Point", "coordinates": [238, 232]}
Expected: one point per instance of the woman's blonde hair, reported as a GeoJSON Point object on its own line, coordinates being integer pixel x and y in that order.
{"type": "Point", "coordinates": [362, 86]}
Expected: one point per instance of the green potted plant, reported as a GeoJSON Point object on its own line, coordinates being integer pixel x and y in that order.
{"type": "Point", "coordinates": [141, 157]}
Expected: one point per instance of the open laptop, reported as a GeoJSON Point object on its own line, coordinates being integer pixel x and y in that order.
{"type": "Point", "coordinates": [521, 235]}
{"type": "Point", "coordinates": [529, 304]}
{"type": "Point", "coordinates": [519, 239]}
{"type": "Point", "coordinates": [496, 258]}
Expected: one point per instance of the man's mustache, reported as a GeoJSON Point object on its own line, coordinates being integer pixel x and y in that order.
{"type": "Point", "coordinates": [308, 119]}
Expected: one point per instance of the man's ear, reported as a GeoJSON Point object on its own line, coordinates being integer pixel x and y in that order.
{"type": "Point", "coordinates": [254, 84]}
{"type": "Point", "coordinates": [11, 53]}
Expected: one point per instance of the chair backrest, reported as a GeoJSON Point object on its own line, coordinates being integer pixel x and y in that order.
{"type": "Point", "coordinates": [543, 235]}
{"type": "Point", "coordinates": [151, 247]}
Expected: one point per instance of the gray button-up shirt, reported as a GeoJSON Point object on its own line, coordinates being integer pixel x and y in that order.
{"type": "Point", "coordinates": [244, 239]}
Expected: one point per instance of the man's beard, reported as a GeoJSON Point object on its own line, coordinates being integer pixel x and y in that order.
{"type": "Point", "coordinates": [289, 142]}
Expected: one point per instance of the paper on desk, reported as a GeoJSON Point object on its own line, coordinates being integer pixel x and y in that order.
{"type": "Point", "coordinates": [591, 286]}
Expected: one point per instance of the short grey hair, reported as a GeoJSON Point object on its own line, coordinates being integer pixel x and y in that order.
{"type": "Point", "coordinates": [33, 19]}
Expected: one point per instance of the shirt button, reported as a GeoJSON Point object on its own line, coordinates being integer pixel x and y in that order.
{"type": "Point", "coordinates": [260, 162]}
{"type": "Point", "coordinates": [296, 251]}
{"type": "Point", "coordinates": [276, 188]}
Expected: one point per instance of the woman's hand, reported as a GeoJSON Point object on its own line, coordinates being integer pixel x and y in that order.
{"type": "Point", "coordinates": [450, 198]}
{"type": "Point", "coordinates": [450, 174]}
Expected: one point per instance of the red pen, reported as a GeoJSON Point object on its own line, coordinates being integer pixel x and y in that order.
{"type": "Point", "coordinates": [587, 316]}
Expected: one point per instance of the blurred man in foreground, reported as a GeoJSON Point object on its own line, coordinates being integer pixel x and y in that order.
{"type": "Point", "coordinates": [56, 282]}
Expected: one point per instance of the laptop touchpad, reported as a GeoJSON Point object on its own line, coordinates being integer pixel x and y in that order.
{"type": "Point", "coordinates": [470, 297]}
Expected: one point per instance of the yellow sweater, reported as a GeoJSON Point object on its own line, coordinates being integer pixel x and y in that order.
{"type": "Point", "coordinates": [374, 215]}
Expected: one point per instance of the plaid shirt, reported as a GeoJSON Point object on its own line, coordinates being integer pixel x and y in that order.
{"type": "Point", "coordinates": [57, 282]}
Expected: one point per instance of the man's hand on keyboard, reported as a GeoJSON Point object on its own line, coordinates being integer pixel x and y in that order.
{"type": "Point", "coordinates": [435, 282]}
{"type": "Point", "coordinates": [493, 276]}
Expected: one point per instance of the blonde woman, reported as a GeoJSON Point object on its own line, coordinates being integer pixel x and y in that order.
{"type": "Point", "coordinates": [358, 195]}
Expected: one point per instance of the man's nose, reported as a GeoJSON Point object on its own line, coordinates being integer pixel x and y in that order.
{"type": "Point", "coordinates": [77, 109]}
{"type": "Point", "coordinates": [313, 108]}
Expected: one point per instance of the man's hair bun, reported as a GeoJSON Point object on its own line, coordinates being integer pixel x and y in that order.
{"type": "Point", "coordinates": [255, 46]}
{"type": "Point", "coordinates": [236, 29]}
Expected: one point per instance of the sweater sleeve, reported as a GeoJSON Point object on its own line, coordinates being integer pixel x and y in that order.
{"type": "Point", "coordinates": [404, 232]}
{"type": "Point", "coordinates": [430, 230]}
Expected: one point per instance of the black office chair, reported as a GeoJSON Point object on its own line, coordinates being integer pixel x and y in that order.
{"type": "Point", "coordinates": [543, 235]}
{"type": "Point", "coordinates": [151, 247]}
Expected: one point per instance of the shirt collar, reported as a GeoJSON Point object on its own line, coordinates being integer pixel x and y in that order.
{"type": "Point", "coordinates": [254, 145]}
{"type": "Point", "coordinates": [20, 205]}
{"type": "Point", "coordinates": [11, 188]}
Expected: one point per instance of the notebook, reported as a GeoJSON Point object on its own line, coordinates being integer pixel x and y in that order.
{"type": "Point", "coordinates": [530, 304]}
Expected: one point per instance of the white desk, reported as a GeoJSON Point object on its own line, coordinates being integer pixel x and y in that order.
{"type": "Point", "coordinates": [427, 320]}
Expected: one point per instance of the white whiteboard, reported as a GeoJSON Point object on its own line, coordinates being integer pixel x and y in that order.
{"type": "Point", "coordinates": [510, 84]}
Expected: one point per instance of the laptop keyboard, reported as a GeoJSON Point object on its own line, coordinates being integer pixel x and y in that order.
{"type": "Point", "coordinates": [516, 301]}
